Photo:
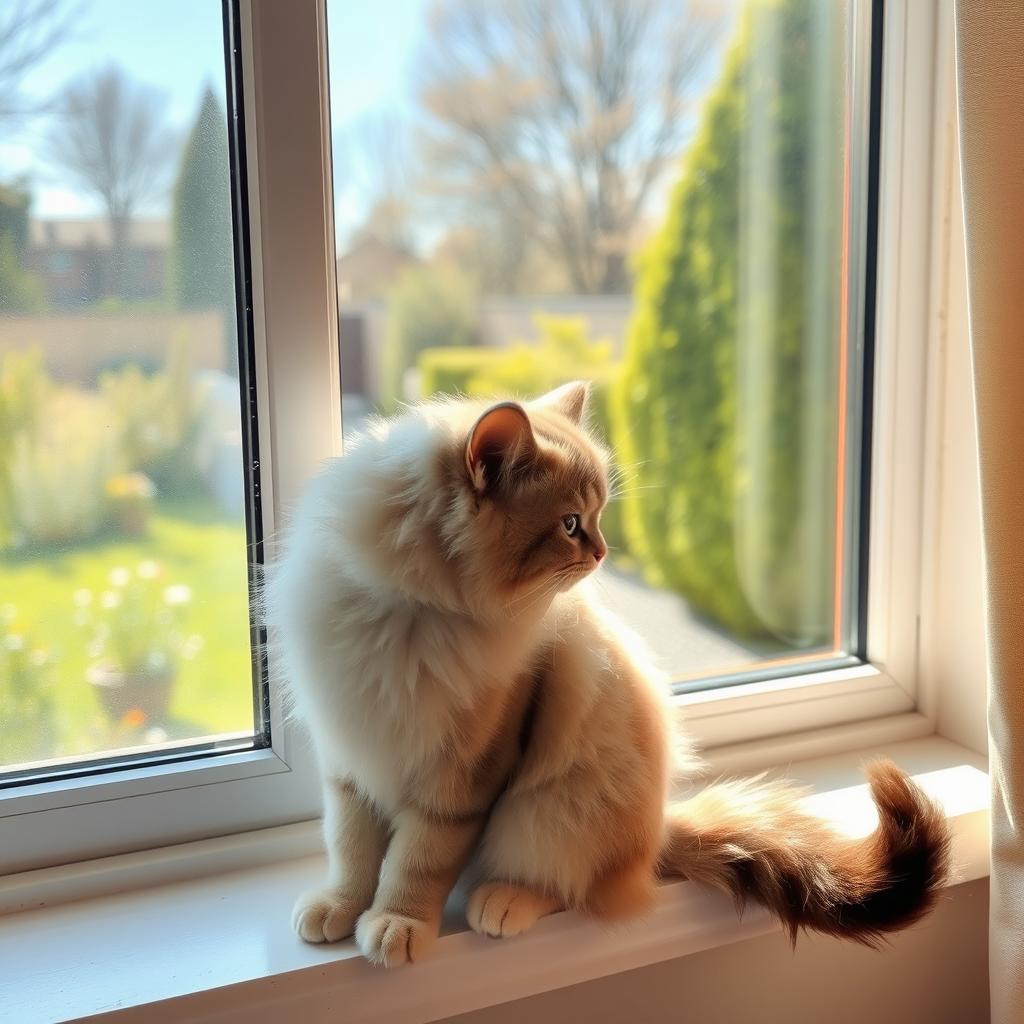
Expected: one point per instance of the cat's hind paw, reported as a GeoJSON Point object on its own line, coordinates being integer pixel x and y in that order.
{"type": "Point", "coordinates": [500, 910]}
{"type": "Point", "coordinates": [390, 940]}
{"type": "Point", "coordinates": [325, 915]}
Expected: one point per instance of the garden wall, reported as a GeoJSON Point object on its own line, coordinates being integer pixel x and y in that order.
{"type": "Point", "coordinates": [76, 347]}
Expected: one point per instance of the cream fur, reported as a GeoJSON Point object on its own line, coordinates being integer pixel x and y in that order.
{"type": "Point", "coordinates": [464, 690]}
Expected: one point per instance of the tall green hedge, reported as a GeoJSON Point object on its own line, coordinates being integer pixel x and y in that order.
{"type": "Point", "coordinates": [20, 291]}
{"type": "Point", "coordinates": [726, 407]}
{"type": "Point", "coordinates": [202, 268]}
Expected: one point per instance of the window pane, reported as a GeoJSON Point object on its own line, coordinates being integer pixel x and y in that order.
{"type": "Point", "coordinates": [664, 198]}
{"type": "Point", "coordinates": [124, 600]}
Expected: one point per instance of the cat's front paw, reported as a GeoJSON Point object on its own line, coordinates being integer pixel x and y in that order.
{"type": "Point", "coordinates": [391, 940]}
{"type": "Point", "coordinates": [325, 915]}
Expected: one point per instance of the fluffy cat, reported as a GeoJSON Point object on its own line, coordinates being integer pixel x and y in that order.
{"type": "Point", "coordinates": [467, 699]}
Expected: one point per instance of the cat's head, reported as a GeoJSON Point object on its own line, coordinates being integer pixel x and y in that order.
{"type": "Point", "coordinates": [537, 484]}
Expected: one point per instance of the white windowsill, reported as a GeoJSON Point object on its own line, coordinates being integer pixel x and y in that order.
{"type": "Point", "coordinates": [220, 945]}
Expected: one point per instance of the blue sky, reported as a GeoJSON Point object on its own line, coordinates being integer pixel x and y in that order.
{"type": "Point", "coordinates": [177, 48]}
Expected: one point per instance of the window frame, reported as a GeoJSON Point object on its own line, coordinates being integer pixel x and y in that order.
{"type": "Point", "coordinates": [884, 687]}
{"type": "Point", "coordinates": [287, 153]}
{"type": "Point", "coordinates": [286, 106]}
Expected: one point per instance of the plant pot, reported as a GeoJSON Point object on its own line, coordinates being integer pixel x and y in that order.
{"type": "Point", "coordinates": [131, 518]}
{"type": "Point", "coordinates": [120, 692]}
{"type": "Point", "coordinates": [130, 503]}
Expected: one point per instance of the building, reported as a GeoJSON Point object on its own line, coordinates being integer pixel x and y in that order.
{"type": "Point", "coordinates": [74, 260]}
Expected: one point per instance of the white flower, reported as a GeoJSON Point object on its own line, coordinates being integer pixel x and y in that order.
{"type": "Point", "coordinates": [178, 594]}
{"type": "Point", "coordinates": [192, 646]}
{"type": "Point", "coordinates": [38, 657]}
{"type": "Point", "coordinates": [120, 577]}
{"type": "Point", "coordinates": [83, 597]}
{"type": "Point", "coordinates": [148, 570]}
{"type": "Point", "coordinates": [15, 642]}
{"type": "Point", "coordinates": [156, 660]}
{"type": "Point", "coordinates": [110, 599]}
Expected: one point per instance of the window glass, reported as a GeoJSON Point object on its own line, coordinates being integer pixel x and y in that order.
{"type": "Point", "coordinates": [657, 196]}
{"type": "Point", "coordinates": [124, 598]}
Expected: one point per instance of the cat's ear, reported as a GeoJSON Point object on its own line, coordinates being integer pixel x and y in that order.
{"type": "Point", "coordinates": [500, 439]}
{"type": "Point", "coordinates": [570, 400]}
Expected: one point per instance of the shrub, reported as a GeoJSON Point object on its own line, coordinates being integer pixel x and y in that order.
{"type": "Point", "coordinates": [564, 353]}
{"type": "Point", "coordinates": [59, 472]}
{"type": "Point", "coordinates": [28, 726]}
{"type": "Point", "coordinates": [428, 308]}
{"type": "Point", "coordinates": [20, 291]}
{"type": "Point", "coordinates": [25, 389]}
{"type": "Point", "coordinates": [726, 404]}
{"type": "Point", "coordinates": [157, 415]}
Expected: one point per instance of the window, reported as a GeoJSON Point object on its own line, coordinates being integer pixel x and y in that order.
{"type": "Point", "coordinates": [309, 266]}
{"type": "Point", "coordinates": [124, 596]}
{"type": "Point", "coordinates": [670, 200]}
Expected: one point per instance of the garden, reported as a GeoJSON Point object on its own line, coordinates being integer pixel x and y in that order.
{"type": "Point", "coordinates": [123, 572]}
{"type": "Point", "coordinates": [720, 404]}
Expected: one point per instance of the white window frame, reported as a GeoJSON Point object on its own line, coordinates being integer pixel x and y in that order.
{"type": "Point", "coordinates": [884, 696]}
{"type": "Point", "coordinates": [295, 315]}
{"type": "Point", "coordinates": [284, 72]}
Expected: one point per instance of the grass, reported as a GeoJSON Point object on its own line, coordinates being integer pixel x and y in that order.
{"type": "Point", "coordinates": [195, 546]}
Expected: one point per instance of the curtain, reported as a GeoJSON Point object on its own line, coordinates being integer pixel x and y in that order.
{"type": "Point", "coordinates": [990, 82]}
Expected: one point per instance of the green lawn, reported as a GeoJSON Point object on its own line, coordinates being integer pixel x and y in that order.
{"type": "Point", "coordinates": [212, 693]}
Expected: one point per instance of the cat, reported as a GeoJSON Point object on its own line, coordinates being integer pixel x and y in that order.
{"type": "Point", "coordinates": [470, 702]}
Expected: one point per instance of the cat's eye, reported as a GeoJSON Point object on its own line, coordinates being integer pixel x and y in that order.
{"type": "Point", "coordinates": [571, 524]}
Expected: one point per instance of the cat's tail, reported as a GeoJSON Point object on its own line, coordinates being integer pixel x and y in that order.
{"type": "Point", "coordinates": [752, 840]}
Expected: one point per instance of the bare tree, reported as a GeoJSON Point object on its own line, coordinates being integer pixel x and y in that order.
{"type": "Point", "coordinates": [110, 135]}
{"type": "Point", "coordinates": [30, 30]}
{"type": "Point", "coordinates": [372, 168]}
{"type": "Point", "coordinates": [563, 115]}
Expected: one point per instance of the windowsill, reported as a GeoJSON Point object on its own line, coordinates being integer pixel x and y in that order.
{"type": "Point", "coordinates": [221, 944]}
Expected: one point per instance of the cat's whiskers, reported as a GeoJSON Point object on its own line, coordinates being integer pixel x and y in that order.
{"type": "Point", "coordinates": [547, 586]}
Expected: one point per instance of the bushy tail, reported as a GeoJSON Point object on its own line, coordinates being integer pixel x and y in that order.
{"type": "Point", "coordinates": [752, 840]}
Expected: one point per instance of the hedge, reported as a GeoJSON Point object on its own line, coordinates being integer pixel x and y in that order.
{"type": "Point", "coordinates": [726, 405]}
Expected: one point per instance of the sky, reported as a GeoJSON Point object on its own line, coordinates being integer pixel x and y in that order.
{"type": "Point", "coordinates": [178, 49]}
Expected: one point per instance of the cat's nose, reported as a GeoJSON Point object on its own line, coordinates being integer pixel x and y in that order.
{"type": "Point", "coordinates": [599, 552]}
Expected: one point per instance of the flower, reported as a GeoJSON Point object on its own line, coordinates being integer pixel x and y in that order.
{"type": "Point", "coordinates": [134, 718]}
{"type": "Point", "coordinates": [14, 642]}
{"type": "Point", "coordinates": [156, 661]}
{"type": "Point", "coordinates": [192, 646]}
{"type": "Point", "coordinates": [128, 486]}
{"type": "Point", "coordinates": [135, 626]}
{"type": "Point", "coordinates": [83, 597]}
{"type": "Point", "coordinates": [177, 594]}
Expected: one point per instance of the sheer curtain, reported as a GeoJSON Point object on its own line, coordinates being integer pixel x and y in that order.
{"type": "Point", "coordinates": [990, 73]}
